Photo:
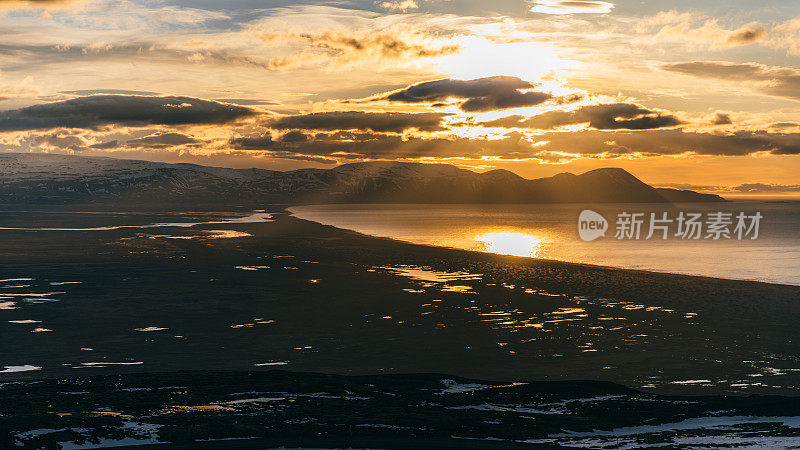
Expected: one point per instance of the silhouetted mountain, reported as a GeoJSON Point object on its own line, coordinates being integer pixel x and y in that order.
{"type": "Point", "coordinates": [59, 179]}
{"type": "Point", "coordinates": [685, 196]}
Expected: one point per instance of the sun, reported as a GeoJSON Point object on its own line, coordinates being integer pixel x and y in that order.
{"type": "Point", "coordinates": [480, 57]}
{"type": "Point", "coordinates": [512, 243]}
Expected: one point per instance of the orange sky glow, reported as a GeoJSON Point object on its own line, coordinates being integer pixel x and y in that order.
{"type": "Point", "coordinates": [697, 96]}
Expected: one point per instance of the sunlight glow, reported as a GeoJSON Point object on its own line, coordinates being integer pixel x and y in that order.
{"type": "Point", "coordinates": [562, 7]}
{"type": "Point", "coordinates": [512, 243]}
{"type": "Point", "coordinates": [480, 57]}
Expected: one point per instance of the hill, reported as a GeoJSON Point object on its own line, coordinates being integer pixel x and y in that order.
{"type": "Point", "coordinates": [29, 178]}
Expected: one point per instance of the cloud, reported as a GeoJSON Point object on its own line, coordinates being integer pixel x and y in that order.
{"type": "Point", "coordinates": [759, 188]}
{"type": "Point", "coordinates": [552, 147]}
{"type": "Point", "coordinates": [482, 94]}
{"type": "Point", "coordinates": [701, 31]}
{"type": "Point", "coordinates": [746, 188]}
{"type": "Point", "coordinates": [346, 47]}
{"type": "Point", "coordinates": [786, 35]}
{"type": "Point", "coordinates": [722, 119]}
{"type": "Point", "coordinates": [784, 126]}
{"type": "Point", "coordinates": [158, 140]}
{"type": "Point", "coordinates": [57, 140]}
{"type": "Point", "coordinates": [671, 142]}
{"type": "Point", "coordinates": [122, 110]}
{"type": "Point", "coordinates": [84, 92]}
{"type": "Point", "coordinates": [340, 146]}
{"type": "Point", "coordinates": [27, 88]}
{"type": "Point", "coordinates": [402, 5]}
{"type": "Point", "coordinates": [747, 34]}
{"type": "Point", "coordinates": [776, 81]}
{"type": "Point", "coordinates": [37, 4]}
{"type": "Point", "coordinates": [248, 101]}
{"type": "Point", "coordinates": [162, 140]}
{"type": "Point", "coordinates": [99, 60]}
{"type": "Point", "coordinates": [345, 145]}
{"type": "Point", "coordinates": [294, 136]}
{"type": "Point", "coordinates": [614, 116]}
{"type": "Point", "coordinates": [264, 142]}
{"type": "Point", "coordinates": [358, 120]}
{"type": "Point", "coordinates": [571, 7]}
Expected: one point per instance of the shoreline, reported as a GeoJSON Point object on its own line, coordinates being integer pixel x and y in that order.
{"type": "Point", "coordinates": [285, 209]}
{"type": "Point", "coordinates": [600, 266]}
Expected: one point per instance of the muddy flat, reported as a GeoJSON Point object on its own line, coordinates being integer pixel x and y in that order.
{"type": "Point", "coordinates": [288, 294]}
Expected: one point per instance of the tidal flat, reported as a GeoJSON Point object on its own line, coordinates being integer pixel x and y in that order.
{"type": "Point", "coordinates": [79, 307]}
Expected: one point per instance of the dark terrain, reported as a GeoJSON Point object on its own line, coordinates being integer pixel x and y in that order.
{"type": "Point", "coordinates": [342, 295]}
{"type": "Point", "coordinates": [303, 297]}
{"type": "Point", "coordinates": [280, 409]}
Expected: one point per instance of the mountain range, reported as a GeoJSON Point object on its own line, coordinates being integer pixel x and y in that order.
{"type": "Point", "coordinates": [35, 178]}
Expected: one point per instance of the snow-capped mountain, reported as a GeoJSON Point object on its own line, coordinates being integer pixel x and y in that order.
{"type": "Point", "coordinates": [62, 179]}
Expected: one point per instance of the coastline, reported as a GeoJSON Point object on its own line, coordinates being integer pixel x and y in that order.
{"type": "Point", "coordinates": [549, 260]}
{"type": "Point", "coordinates": [555, 242]}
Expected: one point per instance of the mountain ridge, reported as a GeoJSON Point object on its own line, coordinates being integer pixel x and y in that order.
{"type": "Point", "coordinates": [60, 179]}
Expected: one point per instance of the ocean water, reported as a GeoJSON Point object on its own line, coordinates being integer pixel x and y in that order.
{"type": "Point", "coordinates": [551, 232]}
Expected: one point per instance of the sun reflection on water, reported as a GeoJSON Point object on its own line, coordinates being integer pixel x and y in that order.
{"type": "Point", "coordinates": [512, 243]}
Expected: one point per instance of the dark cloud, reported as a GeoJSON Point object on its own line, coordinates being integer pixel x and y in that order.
{"type": "Point", "coordinates": [748, 34]}
{"type": "Point", "coordinates": [783, 125]}
{"type": "Point", "coordinates": [514, 145]}
{"type": "Point", "coordinates": [125, 110]}
{"type": "Point", "coordinates": [264, 142]}
{"type": "Point", "coordinates": [357, 145]}
{"type": "Point", "coordinates": [107, 145]}
{"type": "Point", "coordinates": [692, 187]}
{"type": "Point", "coordinates": [482, 94]}
{"type": "Point", "coordinates": [342, 145]}
{"type": "Point", "coordinates": [614, 116]}
{"type": "Point", "coordinates": [61, 139]}
{"type": "Point", "coordinates": [758, 188]}
{"type": "Point", "coordinates": [162, 140]}
{"type": "Point", "coordinates": [155, 141]}
{"type": "Point", "coordinates": [672, 142]}
{"type": "Point", "coordinates": [746, 188]}
{"type": "Point", "coordinates": [777, 81]}
{"type": "Point", "coordinates": [248, 101]}
{"type": "Point", "coordinates": [358, 120]}
{"type": "Point", "coordinates": [294, 136]}
{"type": "Point", "coordinates": [84, 92]}
{"type": "Point", "coordinates": [722, 119]}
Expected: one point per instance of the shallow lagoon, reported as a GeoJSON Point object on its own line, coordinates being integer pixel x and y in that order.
{"type": "Point", "coordinates": [550, 231]}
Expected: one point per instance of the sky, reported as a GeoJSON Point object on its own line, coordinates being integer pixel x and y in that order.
{"type": "Point", "coordinates": [702, 95]}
